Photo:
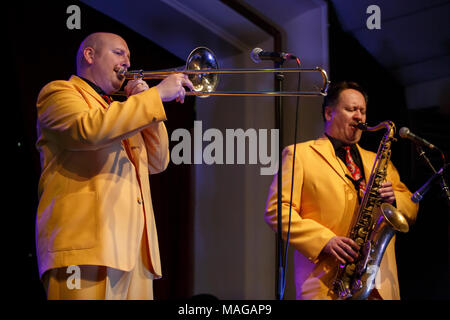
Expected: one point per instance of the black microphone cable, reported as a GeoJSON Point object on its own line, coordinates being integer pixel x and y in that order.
{"type": "Point", "coordinates": [292, 186]}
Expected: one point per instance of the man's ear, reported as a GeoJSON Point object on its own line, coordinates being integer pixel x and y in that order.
{"type": "Point", "coordinates": [88, 54]}
{"type": "Point", "coordinates": [328, 112]}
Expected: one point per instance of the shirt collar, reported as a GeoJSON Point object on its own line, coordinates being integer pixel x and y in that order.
{"type": "Point", "coordinates": [95, 87]}
{"type": "Point", "coordinates": [338, 144]}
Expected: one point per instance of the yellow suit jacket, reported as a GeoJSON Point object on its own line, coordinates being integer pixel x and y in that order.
{"type": "Point", "coordinates": [323, 206]}
{"type": "Point", "coordinates": [94, 191]}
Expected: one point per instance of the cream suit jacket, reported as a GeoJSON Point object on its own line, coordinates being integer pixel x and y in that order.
{"type": "Point", "coordinates": [94, 191]}
{"type": "Point", "coordinates": [323, 206]}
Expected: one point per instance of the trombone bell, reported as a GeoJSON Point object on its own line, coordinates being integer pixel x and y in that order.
{"type": "Point", "coordinates": [202, 58]}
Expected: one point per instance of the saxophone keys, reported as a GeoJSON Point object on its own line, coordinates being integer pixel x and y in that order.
{"type": "Point", "coordinates": [350, 269]}
{"type": "Point", "coordinates": [360, 242]}
{"type": "Point", "coordinates": [357, 285]}
{"type": "Point", "coordinates": [362, 233]}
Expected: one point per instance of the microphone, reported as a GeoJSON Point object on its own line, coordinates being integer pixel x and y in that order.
{"type": "Point", "coordinates": [258, 54]}
{"type": "Point", "coordinates": [407, 134]}
{"type": "Point", "coordinates": [418, 195]}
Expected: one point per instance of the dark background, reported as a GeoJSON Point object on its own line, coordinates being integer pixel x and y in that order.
{"type": "Point", "coordinates": [40, 49]}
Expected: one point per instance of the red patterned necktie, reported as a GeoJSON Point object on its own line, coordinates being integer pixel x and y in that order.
{"type": "Point", "coordinates": [354, 170]}
{"type": "Point", "coordinates": [107, 98]}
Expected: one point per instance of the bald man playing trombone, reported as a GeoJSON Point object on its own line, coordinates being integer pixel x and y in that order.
{"type": "Point", "coordinates": [95, 229]}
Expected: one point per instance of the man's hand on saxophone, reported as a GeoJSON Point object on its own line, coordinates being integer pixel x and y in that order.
{"type": "Point", "coordinates": [342, 248]}
{"type": "Point", "coordinates": [387, 192]}
{"type": "Point", "coordinates": [345, 249]}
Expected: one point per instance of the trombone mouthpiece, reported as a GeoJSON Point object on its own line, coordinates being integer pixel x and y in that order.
{"type": "Point", "coordinates": [120, 71]}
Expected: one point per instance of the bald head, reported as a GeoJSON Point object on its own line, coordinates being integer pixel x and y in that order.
{"type": "Point", "coordinates": [99, 58]}
{"type": "Point", "coordinates": [96, 41]}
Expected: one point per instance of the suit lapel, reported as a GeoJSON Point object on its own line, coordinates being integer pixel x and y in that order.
{"type": "Point", "coordinates": [88, 89]}
{"type": "Point", "coordinates": [324, 147]}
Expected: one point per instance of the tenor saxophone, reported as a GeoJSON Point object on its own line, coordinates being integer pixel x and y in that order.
{"type": "Point", "coordinates": [374, 227]}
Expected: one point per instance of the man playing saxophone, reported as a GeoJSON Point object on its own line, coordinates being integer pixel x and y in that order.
{"type": "Point", "coordinates": [330, 175]}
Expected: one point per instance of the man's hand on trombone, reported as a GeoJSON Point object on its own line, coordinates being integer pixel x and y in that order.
{"type": "Point", "coordinates": [172, 87]}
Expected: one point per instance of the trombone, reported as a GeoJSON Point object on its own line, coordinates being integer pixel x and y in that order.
{"type": "Point", "coordinates": [202, 70]}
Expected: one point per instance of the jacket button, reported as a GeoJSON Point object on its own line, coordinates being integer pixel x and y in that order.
{"type": "Point", "coordinates": [139, 200]}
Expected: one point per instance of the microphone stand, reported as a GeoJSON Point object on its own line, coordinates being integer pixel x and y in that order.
{"type": "Point", "coordinates": [424, 156]}
{"type": "Point", "coordinates": [279, 77]}
{"type": "Point", "coordinates": [443, 183]}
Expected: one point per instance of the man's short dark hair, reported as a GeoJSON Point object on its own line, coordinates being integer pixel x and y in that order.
{"type": "Point", "coordinates": [335, 90]}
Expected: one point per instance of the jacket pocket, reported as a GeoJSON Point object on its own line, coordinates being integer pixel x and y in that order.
{"type": "Point", "coordinates": [73, 224]}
